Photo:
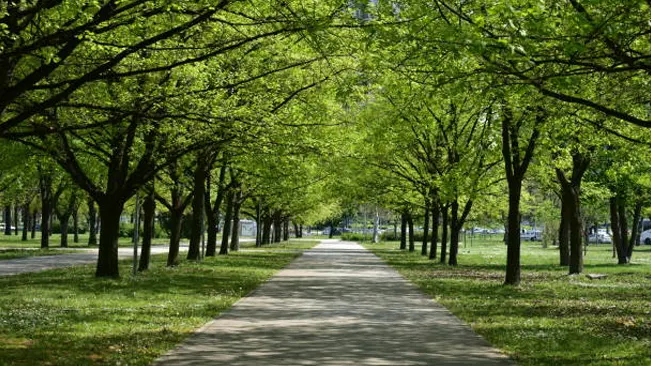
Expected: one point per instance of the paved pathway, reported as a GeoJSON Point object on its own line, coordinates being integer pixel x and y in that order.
{"type": "Point", "coordinates": [338, 304]}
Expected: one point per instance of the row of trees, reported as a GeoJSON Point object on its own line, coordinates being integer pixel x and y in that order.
{"type": "Point", "coordinates": [473, 105]}
{"type": "Point", "coordinates": [213, 105]}
{"type": "Point", "coordinates": [232, 108]}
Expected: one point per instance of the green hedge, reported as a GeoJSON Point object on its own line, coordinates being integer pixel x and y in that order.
{"type": "Point", "coordinates": [389, 236]}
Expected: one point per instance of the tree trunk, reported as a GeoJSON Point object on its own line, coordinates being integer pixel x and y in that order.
{"type": "Point", "coordinates": [412, 236]}
{"type": "Point", "coordinates": [258, 224]}
{"type": "Point", "coordinates": [564, 232]}
{"type": "Point", "coordinates": [16, 220]}
{"type": "Point", "coordinates": [75, 224]}
{"type": "Point", "coordinates": [300, 230]}
{"type": "Point", "coordinates": [444, 234]}
{"type": "Point", "coordinates": [513, 244]}
{"type": "Point", "coordinates": [635, 234]}
{"type": "Point", "coordinates": [226, 231]}
{"type": "Point", "coordinates": [616, 232]}
{"type": "Point", "coordinates": [176, 221]}
{"type": "Point", "coordinates": [92, 222]}
{"type": "Point", "coordinates": [436, 213]}
{"type": "Point", "coordinates": [33, 222]}
{"type": "Point", "coordinates": [211, 229]}
{"type": "Point", "coordinates": [64, 222]}
{"type": "Point", "coordinates": [376, 227]}
{"type": "Point", "coordinates": [149, 211]}
{"type": "Point", "coordinates": [235, 236]}
{"type": "Point", "coordinates": [454, 233]}
{"type": "Point", "coordinates": [403, 231]}
{"type": "Point", "coordinates": [296, 232]}
{"type": "Point", "coordinates": [7, 220]}
{"type": "Point", "coordinates": [266, 230]}
{"type": "Point", "coordinates": [286, 229]}
{"type": "Point", "coordinates": [110, 210]}
{"type": "Point", "coordinates": [576, 232]}
{"type": "Point", "coordinates": [26, 221]}
{"type": "Point", "coordinates": [278, 228]}
{"type": "Point", "coordinates": [45, 188]}
{"type": "Point", "coordinates": [198, 201]}
{"type": "Point", "coordinates": [213, 213]}
{"type": "Point", "coordinates": [423, 249]}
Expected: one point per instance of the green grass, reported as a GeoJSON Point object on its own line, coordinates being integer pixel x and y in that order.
{"type": "Point", "coordinates": [24, 253]}
{"type": "Point", "coordinates": [287, 245]}
{"type": "Point", "coordinates": [67, 317]}
{"type": "Point", "coordinates": [552, 318]}
{"type": "Point", "coordinates": [14, 241]}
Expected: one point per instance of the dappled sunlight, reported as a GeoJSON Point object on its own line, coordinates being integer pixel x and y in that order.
{"type": "Point", "coordinates": [337, 305]}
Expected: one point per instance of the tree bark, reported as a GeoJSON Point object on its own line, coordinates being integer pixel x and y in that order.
{"type": "Point", "coordinates": [616, 232]}
{"type": "Point", "coordinates": [412, 237]}
{"type": "Point", "coordinates": [513, 246]}
{"type": "Point", "coordinates": [16, 220]}
{"type": "Point", "coordinates": [8, 220]}
{"type": "Point", "coordinates": [75, 224]}
{"type": "Point", "coordinates": [45, 187]}
{"type": "Point", "coordinates": [149, 211]}
{"type": "Point", "coordinates": [64, 222]}
{"type": "Point", "coordinates": [403, 231]}
{"type": "Point", "coordinates": [33, 222]}
{"type": "Point", "coordinates": [110, 210]}
{"type": "Point", "coordinates": [266, 230]}
{"type": "Point", "coordinates": [213, 212]}
{"type": "Point", "coordinates": [286, 229]}
{"type": "Point", "coordinates": [423, 249]}
{"type": "Point", "coordinates": [456, 224]}
{"type": "Point", "coordinates": [623, 227]}
{"type": "Point", "coordinates": [92, 222]}
{"type": "Point", "coordinates": [564, 232]}
{"type": "Point", "coordinates": [258, 224]}
{"type": "Point", "coordinates": [235, 235]}
{"type": "Point", "coordinates": [277, 233]}
{"type": "Point", "coordinates": [436, 213]}
{"type": "Point", "coordinates": [200, 174]}
{"type": "Point", "coordinates": [176, 221]}
{"type": "Point", "coordinates": [444, 234]}
{"type": "Point", "coordinates": [226, 231]}
{"type": "Point", "coordinates": [26, 221]}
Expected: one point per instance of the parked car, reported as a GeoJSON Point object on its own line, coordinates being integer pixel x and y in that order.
{"type": "Point", "coordinates": [645, 237]}
{"type": "Point", "coordinates": [600, 237]}
{"type": "Point", "coordinates": [531, 235]}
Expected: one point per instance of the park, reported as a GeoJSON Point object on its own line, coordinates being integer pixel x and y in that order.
{"type": "Point", "coordinates": [326, 182]}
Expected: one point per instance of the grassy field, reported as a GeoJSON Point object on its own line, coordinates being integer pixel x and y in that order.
{"type": "Point", "coordinates": [67, 317]}
{"type": "Point", "coordinates": [288, 245]}
{"type": "Point", "coordinates": [23, 253]}
{"type": "Point", "coordinates": [552, 318]}
{"type": "Point", "coordinates": [14, 242]}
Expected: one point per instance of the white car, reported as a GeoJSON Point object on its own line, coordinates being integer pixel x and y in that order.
{"type": "Point", "coordinates": [600, 237]}
{"type": "Point", "coordinates": [645, 237]}
{"type": "Point", "coordinates": [531, 235]}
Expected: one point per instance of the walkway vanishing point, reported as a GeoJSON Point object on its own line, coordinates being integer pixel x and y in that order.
{"type": "Point", "coordinates": [338, 304]}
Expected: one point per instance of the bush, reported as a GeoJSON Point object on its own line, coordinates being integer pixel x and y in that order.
{"type": "Point", "coordinates": [389, 236]}
{"type": "Point", "coordinates": [126, 231]}
{"type": "Point", "coordinates": [356, 236]}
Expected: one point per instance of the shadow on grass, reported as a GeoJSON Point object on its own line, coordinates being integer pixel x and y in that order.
{"type": "Point", "coordinates": [68, 317]}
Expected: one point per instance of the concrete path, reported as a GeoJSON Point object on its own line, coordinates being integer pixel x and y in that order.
{"type": "Point", "coordinates": [338, 304]}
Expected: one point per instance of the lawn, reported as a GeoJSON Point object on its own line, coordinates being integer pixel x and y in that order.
{"type": "Point", "coordinates": [23, 253]}
{"type": "Point", "coordinates": [552, 318]}
{"type": "Point", "coordinates": [67, 317]}
{"type": "Point", "coordinates": [14, 241]}
{"type": "Point", "coordinates": [292, 244]}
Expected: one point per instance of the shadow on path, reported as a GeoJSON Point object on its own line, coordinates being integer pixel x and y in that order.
{"type": "Point", "coordinates": [336, 305]}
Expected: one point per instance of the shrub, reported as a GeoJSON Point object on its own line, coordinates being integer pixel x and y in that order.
{"type": "Point", "coordinates": [389, 236]}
